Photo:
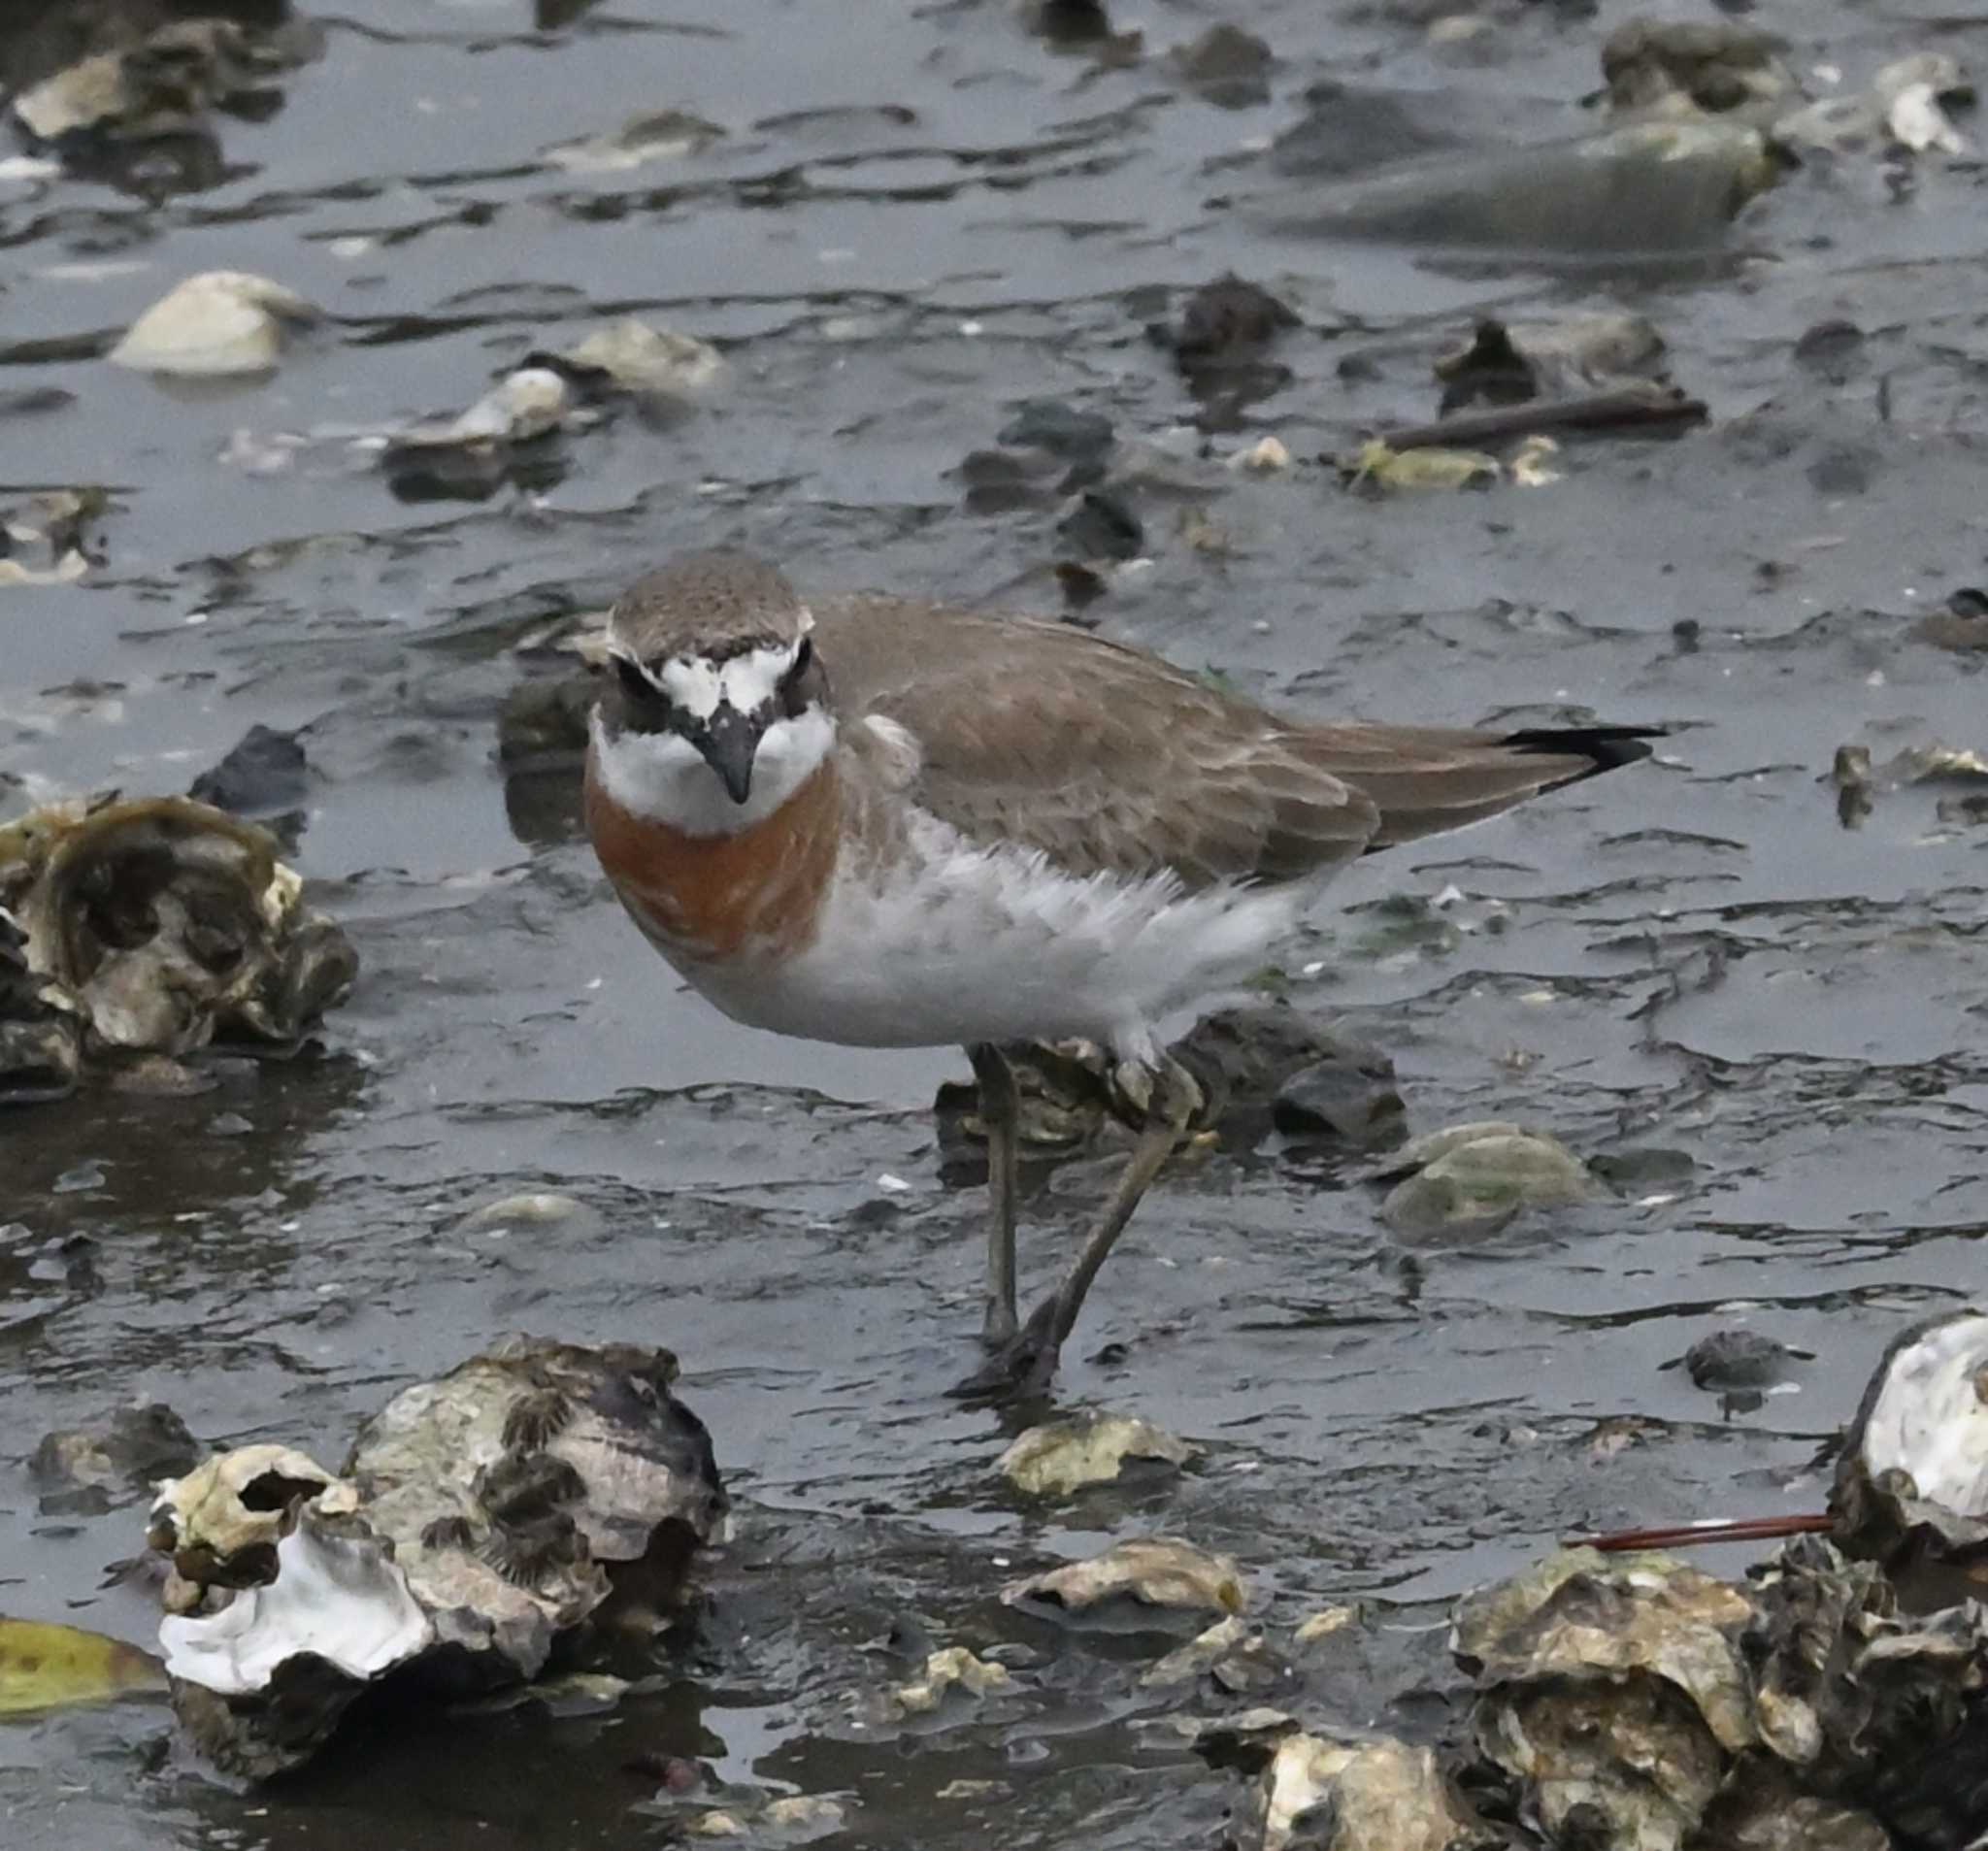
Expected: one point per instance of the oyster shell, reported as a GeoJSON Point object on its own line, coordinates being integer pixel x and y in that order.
{"type": "Point", "coordinates": [151, 925]}
{"type": "Point", "coordinates": [481, 1518]}
{"type": "Point", "coordinates": [1911, 1480]}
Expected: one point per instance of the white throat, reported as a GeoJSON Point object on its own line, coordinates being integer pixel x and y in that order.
{"type": "Point", "coordinates": [661, 777]}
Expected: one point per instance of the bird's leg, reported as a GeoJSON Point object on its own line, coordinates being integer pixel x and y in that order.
{"type": "Point", "coordinates": [1024, 1366]}
{"type": "Point", "coordinates": [1001, 1119]}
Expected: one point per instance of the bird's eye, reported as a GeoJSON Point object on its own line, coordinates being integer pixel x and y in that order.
{"type": "Point", "coordinates": [634, 684]}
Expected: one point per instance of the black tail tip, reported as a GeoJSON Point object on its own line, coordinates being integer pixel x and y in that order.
{"type": "Point", "coordinates": [1605, 747]}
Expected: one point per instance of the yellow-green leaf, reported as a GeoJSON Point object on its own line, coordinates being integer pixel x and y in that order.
{"type": "Point", "coordinates": [43, 1665]}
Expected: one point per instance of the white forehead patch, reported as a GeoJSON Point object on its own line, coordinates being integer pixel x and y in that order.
{"type": "Point", "coordinates": [697, 684]}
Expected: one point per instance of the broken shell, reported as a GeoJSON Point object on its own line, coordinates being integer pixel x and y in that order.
{"type": "Point", "coordinates": [1231, 1651]}
{"type": "Point", "coordinates": [528, 404]}
{"type": "Point", "coordinates": [221, 1523]}
{"type": "Point", "coordinates": [1364, 1796]}
{"type": "Point", "coordinates": [219, 322]}
{"type": "Point", "coordinates": [336, 1597]}
{"type": "Point", "coordinates": [166, 925]}
{"type": "Point", "coordinates": [1912, 1476]}
{"type": "Point", "coordinates": [953, 1669]}
{"type": "Point", "coordinates": [1065, 1455]}
{"type": "Point", "coordinates": [1144, 1573]}
{"type": "Point", "coordinates": [463, 1542]}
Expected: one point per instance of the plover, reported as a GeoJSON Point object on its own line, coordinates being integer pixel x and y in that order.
{"type": "Point", "coordinates": [885, 822]}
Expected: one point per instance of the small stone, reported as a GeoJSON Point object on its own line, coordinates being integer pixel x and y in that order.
{"type": "Point", "coordinates": [1477, 1177]}
{"type": "Point", "coordinates": [542, 1209]}
{"type": "Point", "coordinates": [219, 322]}
{"type": "Point", "coordinates": [1265, 457]}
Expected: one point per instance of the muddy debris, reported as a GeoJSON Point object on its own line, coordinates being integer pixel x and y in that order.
{"type": "Point", "coordinates": [142, 113]}
{"type": "Point", "coordinates": [661, 135]}
{"type": "Point", "coordinates": [1064, 1456]}
{"type": "Point", "coordinates": [155, 926]}
{"type": "Point", "coordinates": [1905, 107]}
{"type": "Point", "coordinates": [1713, 65]}
{"type": "Point", "coordinates": [1640, 188]}
{"type": "Point", "coordinates": [1508, 363]}
{"type": "Point", "coordinates": [1136, 1580]}
{"type": "Point", "coordinates": [479, 1519]}
{"type": "Point", "coordinates": [1478, 1177]}
{"type": "Point", "coordinates": [56, 527]}
{"type": "Point", "coordinates": [217, 324]}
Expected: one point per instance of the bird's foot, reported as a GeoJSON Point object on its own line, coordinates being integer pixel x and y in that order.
{"type": "Point", "coordinates": [1019, 1369]}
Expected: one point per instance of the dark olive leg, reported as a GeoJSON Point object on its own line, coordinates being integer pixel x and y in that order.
{"type": "Point", "coordinates": [1025, 1366]}
{"type": "Point", "coordinates": [1001, 1118]}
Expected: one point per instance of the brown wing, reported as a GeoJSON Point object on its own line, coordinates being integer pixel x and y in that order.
{"type": "Point", "coordinates": [1107, 759]}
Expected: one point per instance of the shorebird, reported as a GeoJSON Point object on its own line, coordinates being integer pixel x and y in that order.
{"type": "Point", "coordinates": [890, 823]}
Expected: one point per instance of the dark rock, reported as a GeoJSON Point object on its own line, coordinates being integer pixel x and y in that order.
{"type": "Point", "coordinates": [1001, 481]}
{"type": "Point", "coordinates": [265, 772]}
{"type": "Point", "coordinates": [1347, 131]}
{"type": "Point", "coordinates": [1640, 1167]}
{"type": "Point", "coordinates": [1351, 1095]}
{"type": "Point", "coordinates": [1245, 1059]}
{"type": "Point", "coordinates": [1227, 320]}
{"type": "Point", "coordinates": [1101, 526]}
{"type": "Point", "coordinates": [1738, 1359]}
{"type": "Point", "coordinates": [1843, 469]}
{"type": "Point", "coordinates": [1064, 431]}
{"type": "Point", "coordinates": [34, 401]}
{"type": "Point", "coordinates": [1832, 350]}
{"type": "Point", "coordinates": [1227, 67]}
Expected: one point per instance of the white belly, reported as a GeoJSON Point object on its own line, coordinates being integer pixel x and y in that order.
{"type": "Point", "coordinates": [994, 945]}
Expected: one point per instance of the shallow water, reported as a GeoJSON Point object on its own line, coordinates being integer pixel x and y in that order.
{"type": "Point", "coordinates": [922, 216]}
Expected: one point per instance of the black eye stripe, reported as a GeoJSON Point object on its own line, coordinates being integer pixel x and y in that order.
{"type": "Point", "coordinates": [634, 684]}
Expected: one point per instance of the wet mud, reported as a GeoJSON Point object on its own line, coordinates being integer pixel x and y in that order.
{"type": "Point", "coordinates": [1754, 1004]}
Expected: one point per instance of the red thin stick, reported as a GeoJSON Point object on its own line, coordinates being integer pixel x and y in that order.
{"type": "Point", "coordinates": [1678, 1535]}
